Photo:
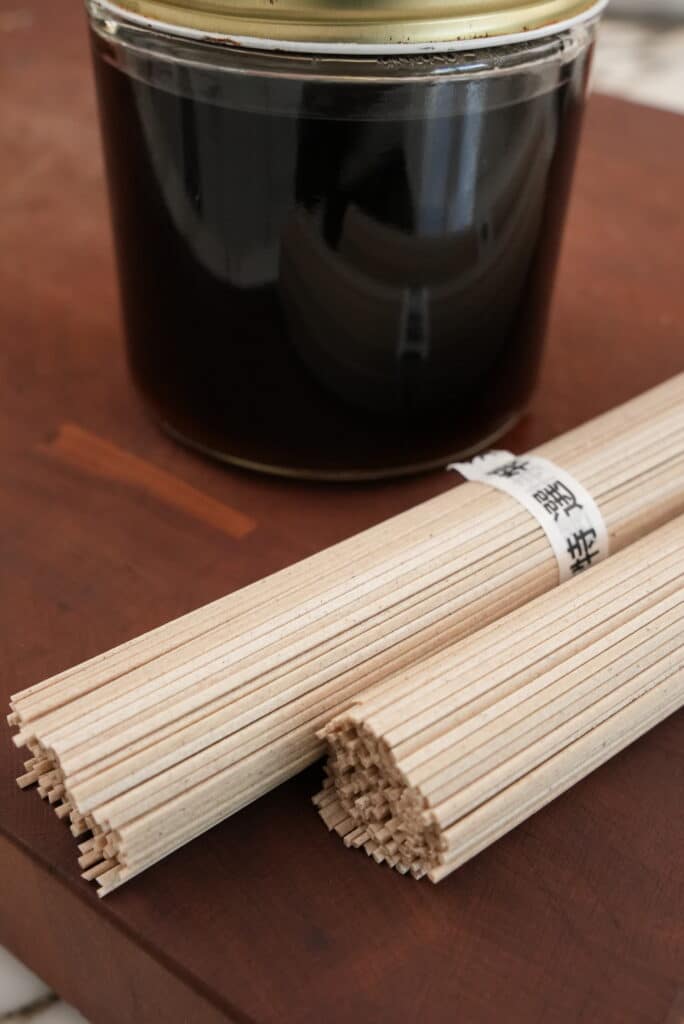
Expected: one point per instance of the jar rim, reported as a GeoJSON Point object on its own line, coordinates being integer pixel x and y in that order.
{"type": "Point", "coordinates": [329, 27]}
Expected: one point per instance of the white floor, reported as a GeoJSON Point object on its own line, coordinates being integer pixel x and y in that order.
{"type": "Point", "coordinates": [24, 997]}
{"type": "Point", "coordinates": [644, 63]}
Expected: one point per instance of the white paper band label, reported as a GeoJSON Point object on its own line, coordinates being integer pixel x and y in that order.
{"type": "Point", "coordinates": [566, 511]}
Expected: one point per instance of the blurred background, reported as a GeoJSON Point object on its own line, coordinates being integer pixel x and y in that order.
{"type": "Point", "coordinates": [640, 58]}
{"type": "Point", "coordinates": [641, 52]}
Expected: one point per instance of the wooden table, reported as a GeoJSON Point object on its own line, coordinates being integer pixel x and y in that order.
{"type": "Point", "coordinates": [108, 529]}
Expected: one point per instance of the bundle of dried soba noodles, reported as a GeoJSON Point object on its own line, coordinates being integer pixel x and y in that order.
{"type": "Point", "coordinates": [441, 760]}
{"type": "Point", "coordinates": [149, 745]}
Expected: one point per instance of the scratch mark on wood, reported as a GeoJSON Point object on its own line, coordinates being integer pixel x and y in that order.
{"type": "Point", "coordinates": [102, 458]}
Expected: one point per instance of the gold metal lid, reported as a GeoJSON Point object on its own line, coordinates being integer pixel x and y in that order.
{"type": "Point", "coordinates": [361, 25]}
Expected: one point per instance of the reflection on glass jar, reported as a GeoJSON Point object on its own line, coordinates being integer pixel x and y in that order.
{"type": "Point", "coordinates": [337, 267]}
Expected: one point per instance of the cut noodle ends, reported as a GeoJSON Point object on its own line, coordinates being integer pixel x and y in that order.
{"type": "Point", "coordinates": [432, 766]}
{"type": "Point", "coordinates": [143, 748]}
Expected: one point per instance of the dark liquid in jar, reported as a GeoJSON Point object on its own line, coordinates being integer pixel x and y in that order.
{"type": "Point", "coordinates": [341, 294]}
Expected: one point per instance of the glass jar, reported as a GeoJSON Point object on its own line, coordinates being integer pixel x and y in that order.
{"type": "Point", "coordinates": [336, 264]}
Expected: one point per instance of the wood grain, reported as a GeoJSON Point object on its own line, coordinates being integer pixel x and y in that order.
{"type": "Point", "coordinates": [576, 917]}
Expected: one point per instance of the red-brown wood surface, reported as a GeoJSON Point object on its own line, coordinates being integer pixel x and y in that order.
{"type": "Point", "coordinates": [109, 529]}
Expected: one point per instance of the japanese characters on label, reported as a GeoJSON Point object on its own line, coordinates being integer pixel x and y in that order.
{"type": "Point", "coordinates": [567, 512]}
{"type": "Point", "coordinates": [557, 498]}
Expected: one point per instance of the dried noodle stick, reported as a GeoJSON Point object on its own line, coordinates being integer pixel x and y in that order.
{"type": "Point", "coordinates": [432, 766]}
{"type": "Point", "coordinates": [146, 746]}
